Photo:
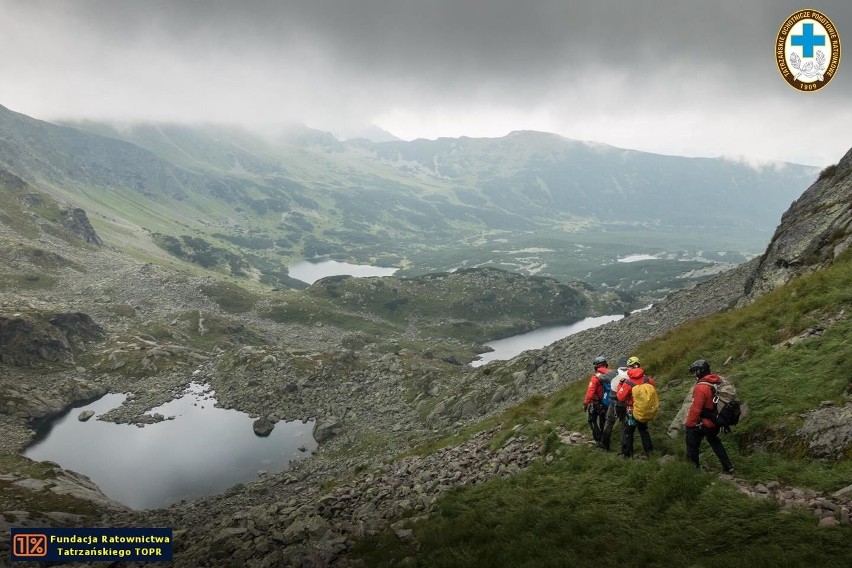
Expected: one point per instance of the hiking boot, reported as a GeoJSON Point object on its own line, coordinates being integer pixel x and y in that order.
{"type": "Point", "coordinates": [729, 471]}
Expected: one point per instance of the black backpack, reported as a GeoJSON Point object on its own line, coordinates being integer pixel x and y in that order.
{"type": "Point", "coordinates": [727, 411]}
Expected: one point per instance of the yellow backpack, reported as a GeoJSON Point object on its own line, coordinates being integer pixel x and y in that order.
{"type": "Point", "coordinates": [646, 402]}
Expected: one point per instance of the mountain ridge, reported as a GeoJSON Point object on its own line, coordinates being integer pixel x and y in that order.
{"type": "Point", "coordinates": [426, 152]}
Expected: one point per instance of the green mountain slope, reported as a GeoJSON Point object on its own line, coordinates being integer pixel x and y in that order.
{"type": "Point", "coordinates": [537, 174]}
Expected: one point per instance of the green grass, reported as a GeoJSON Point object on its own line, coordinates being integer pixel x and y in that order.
{"type": "Point", "coordinates": [586, 509]}
{"type": "Point", "coordinates": [313, 311]}
{"type": "Point", "coordinates": [231, 297]}
{"type": "Point", "coordinates": [12, 282]}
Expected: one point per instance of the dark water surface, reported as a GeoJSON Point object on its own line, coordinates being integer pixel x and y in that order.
{"type": "Point", "coordinates": [203, 451]}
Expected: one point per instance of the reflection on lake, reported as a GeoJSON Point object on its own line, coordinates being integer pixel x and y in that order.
{"type": "Point", "coordinates": [512, 346]}
{"type": "Point", "coordinates": [310, 272]}
{"type": "Point", "coordinates": [203, 451]}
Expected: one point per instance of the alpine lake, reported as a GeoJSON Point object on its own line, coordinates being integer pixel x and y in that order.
{"type": "Point", "coordinates": [197, 450]}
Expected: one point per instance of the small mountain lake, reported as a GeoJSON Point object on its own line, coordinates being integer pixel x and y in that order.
{"type": "Point", "coordinates": [203, 450]}
{"type": "Point", "coordinates": [311, 271]}
{"type": "Point", "coordinates": [510, 347]}
{"type": "Point", "coordinates": [638, 257]}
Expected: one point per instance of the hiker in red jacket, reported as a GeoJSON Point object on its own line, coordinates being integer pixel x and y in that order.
{"type": "Point", "coordinates": [698, 425]}
{"type": "Point", "coordinates": [635, 375]}
{"type": "Point", "coordinates": [594, 403]}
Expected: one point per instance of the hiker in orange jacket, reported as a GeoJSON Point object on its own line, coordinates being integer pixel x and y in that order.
{"type": "Point", "coordinates": [698, 425]}
{"type": "Point", "coordinates": [593, 403]}
{"type": "Point", "coordinates": [635, 375]}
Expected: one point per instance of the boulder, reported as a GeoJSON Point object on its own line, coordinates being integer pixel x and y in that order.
{"type": "Point", "coordinates": [85, 415]}
{"type": "Point", "coordinates": [263, 426]}
{"type": "Point", "coordinates": [326, 429]}
{"type": "Point", "coordinates": [828, 432]}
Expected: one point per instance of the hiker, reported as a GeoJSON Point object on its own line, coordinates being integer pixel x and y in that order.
{"type": "Point", "coordinates": [597, 398]}
{"type": "Point", "coordinates": [698, 424]}
{"type": "Point", "coordinates": [616, 411]}
{"type": "Point", "coordinates": [635, 377]}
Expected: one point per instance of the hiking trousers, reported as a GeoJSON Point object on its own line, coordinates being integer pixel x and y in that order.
{"type": "Point", "coordinates": [694, 436]}
{"type": "Point", "coordinates": [614, 413]}
{"type": "Point", "coordinates": [627, 438]}
{"type": "Point", "coordinates": [597, 417]}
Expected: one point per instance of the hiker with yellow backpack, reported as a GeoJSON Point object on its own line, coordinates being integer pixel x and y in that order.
{"type": "Point", "coordinates": [639, 393]}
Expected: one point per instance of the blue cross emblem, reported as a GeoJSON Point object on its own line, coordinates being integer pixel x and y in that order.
{"type": "Point", "coordinates": [808, 40]}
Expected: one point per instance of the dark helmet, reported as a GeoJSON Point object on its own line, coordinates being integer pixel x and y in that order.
{"type": "Point", "coordinates": [700, 368]}
{"type": "Point", "coordinates": [599, 360]}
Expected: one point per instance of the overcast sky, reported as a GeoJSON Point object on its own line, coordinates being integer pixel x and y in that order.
{"type": "Point", "coordinates": [684, 77]}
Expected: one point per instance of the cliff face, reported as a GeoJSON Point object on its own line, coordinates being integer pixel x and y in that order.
{"type": "Point", "coordinates": [814, 231]}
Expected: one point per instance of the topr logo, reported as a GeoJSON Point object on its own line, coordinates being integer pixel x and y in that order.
{"type": "Point", "coordinates": [807, 50]}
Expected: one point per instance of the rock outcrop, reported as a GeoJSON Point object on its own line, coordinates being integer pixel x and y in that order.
{"type": "Point", "coordinates": [31, 340]}
{"type": "Point", "coordinates": [46, 476]}
{"type": "Point", "coordinates": [76, 221]}
{"type": "Point", "coordinates": [827, 431]}
{"type": "Point", "coordinates": [812, 233]}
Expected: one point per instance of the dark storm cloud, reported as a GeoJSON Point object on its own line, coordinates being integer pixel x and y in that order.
{"type": "Point", "coordinates": [460, 42]}
{"type": "Point", "coordinates": [564, 65]}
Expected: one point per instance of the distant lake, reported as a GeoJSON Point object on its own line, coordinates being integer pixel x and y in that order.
{"type": "Point", "coordinates": [201, 452]}
{"type": "Point", "coordinates": [310, 272]}
{"type": "Point", "coordinates": [510, 347]}
{"type": "Point", "coordinates": [638, 257]}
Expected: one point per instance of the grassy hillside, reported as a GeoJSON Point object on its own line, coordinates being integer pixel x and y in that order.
{"type": "Point", "coordinates": [591, 508]}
